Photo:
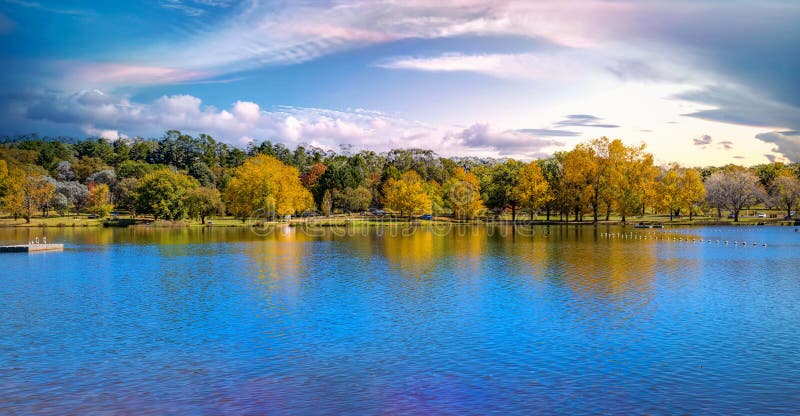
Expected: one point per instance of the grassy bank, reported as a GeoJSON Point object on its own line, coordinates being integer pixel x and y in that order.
{"type": "Point", "coordinates": [356, 220]}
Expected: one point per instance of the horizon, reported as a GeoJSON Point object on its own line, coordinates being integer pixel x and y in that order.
{"type": "Point", "coordinates": [509, 80]}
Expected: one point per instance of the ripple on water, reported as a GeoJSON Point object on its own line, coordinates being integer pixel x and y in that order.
{"type": "Point", "coordinates": [567, 321]}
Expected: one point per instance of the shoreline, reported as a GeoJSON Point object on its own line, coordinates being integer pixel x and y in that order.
{"type": "Point", "coordinates": [64, 222]}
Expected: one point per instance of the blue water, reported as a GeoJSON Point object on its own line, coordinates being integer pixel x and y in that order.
{"type": "Point", "coordinates": [472, 321]}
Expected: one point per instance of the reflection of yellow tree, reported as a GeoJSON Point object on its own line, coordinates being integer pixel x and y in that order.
{"type": "Point", "coordinates": [413, 253]}
{"type": "Point", "coordinates": [611, 268]}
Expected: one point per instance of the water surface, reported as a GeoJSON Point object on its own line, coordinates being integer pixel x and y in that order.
{"type": "Point", "coordinates": [472, 321]}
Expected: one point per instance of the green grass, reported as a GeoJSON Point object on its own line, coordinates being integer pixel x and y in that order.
{"type": "Point", "coordinates": [356, 220]}
{"type": "Point", "coordinates": [52, 221]}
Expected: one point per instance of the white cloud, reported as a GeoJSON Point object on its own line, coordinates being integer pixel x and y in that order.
{"type": "Point", "coordinates": [246, 111]}
{"type": "Point", "coordinates": [526, 65]}
{"type": "Point", "coordinates": [106, 115]}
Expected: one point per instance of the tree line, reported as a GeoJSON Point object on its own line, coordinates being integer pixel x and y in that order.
{"type": "Point", "coordinates": [180, 176]}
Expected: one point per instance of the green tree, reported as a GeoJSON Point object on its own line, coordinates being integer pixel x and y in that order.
{"type": "Point", "coordinates": [162, 194]}
{"type": "Point", "coordinates": [203, 202]}
{"type": "Point", "coordinates": [499, 189]}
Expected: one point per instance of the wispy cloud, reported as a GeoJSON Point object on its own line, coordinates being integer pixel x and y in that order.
{"type": "Point", "coordinates": [741, 106]}
{"type": "Point", "coordinates": [523, 65]}
{"type": "Point", "coordinates": [726, 144]}
{"type": "Point", "coordinates": [101, 74]}
{"type": "Point", "coordinates": [194, 8]}
{"type": "Point", "coordinates": [48, 9]}
{"type": "Point", "coordinates": [585, 120]}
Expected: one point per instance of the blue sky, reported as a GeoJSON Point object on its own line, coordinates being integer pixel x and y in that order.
{"type": "Point", "coordinates": [700, 82]}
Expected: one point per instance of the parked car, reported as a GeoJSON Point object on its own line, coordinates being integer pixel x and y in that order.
{"type": "Point", "coordinates": [762, 215]}
{"type": "Point", "coordinates": [379, 212]}
{"type": "Point", "coordinates": [426, 217]}
{"type": "Point", "coordinates": [93, 216]}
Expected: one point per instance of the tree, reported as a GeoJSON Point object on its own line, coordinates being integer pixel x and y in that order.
{"type": "Point", "coordinates": [203, 202]}
{"type": "Point", "coordinates": [327, 203]}
{"type": "Point", "coordinates": [126, 194]}
{"type": "Point", "coordinates": [680, 188]}
{"type": "Point", "coordinates": [499, 189]}
{"type": "Point", "coordinates": [631, 176]}
{"type": "Point", "coordinates": [134, 169]}
{"type": "Point", "coordinates": [263, 183]}
{"type": "Point", "coordinates": [64, 171]}
{"type": "Point", "coordinates": [203, 174]}
{"type": "Point", "coordinates": [785, 193]}
{"type": "Point", "coordinates": [354, 199]}
{"type": "Point", "coordinates": [407, 195]}
{"type": "Point", "coordinates": [99, 201]}
{"type": "Point", "coordinates": [162, 192]}
{"type": "Point", "coordinates": [553, 172]}
{"type": "Point", "coordinates": [60, 203]}
{"type": "Point", "coordinates": [693, 190]}
{"type": "Point", "coordinates": [462, 194]}
{"type": "Point", "coordinates": [76, 194]}
{"type": "Point", "coordinates": [586, 169]}
{"type": "Point", "coordinates": [105, 176]}
{"type": "Point", "coordinates": [86, 166]}
{"type": "Point", "coordinates": [733, 189]}
{"type": "Point", "coordinates": [29, 192]}
{"type": "Point", "coordinates": [532, 191]}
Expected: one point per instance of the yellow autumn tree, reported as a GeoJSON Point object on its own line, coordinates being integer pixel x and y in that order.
{"type": "Point", "coordinates": [462, 194]}
{"type": "Point", "coordinates": [680, 188]}
{"type": "Point", "coordinates": [694, 191]}
{"type": "Point", "coordinates": [631, 177]}
{"type": "Point", "coordinates": [407, 195]}
{"type": "Point", "coordinates": [532, 190]}
{"type": "Point", "coordinates": [586, 169]}
{"type": "Point", "coordinates": [99, 201]}
{"type": "Point", "coordinates": [266, 185]}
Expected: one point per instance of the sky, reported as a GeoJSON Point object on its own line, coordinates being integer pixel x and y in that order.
{"type": "Point", "coordinates": [702, 82]}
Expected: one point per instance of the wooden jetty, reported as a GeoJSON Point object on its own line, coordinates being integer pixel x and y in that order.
{"type": "Point", "coordinates": [31, 248]}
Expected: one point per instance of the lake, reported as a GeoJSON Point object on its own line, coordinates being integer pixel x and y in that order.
{"type": "Point", "coordinates": [470, 320]}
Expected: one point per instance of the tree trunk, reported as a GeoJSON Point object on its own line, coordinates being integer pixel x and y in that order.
{"type": "Point", "coordinates": [736, 216]}
{"type": "Point", "coordinates": [513, 213]}
{"type": "Point", "coordinates": [548, 214]}
{"type": "Point", "coordinates": [203, 219]}
{"type": "Point", "coordinates": [691, 214]}
{"type": "Point", "coordinates": [594, 210]}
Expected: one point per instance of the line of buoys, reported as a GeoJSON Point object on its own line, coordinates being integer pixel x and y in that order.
{"type": "Point", "coordinates": [678, 238]}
